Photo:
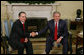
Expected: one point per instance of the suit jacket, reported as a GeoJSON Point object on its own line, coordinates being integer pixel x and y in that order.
{"type": "Point", "coordinates": [16, 34]}
{"type": "Point", "coordinates": [62, 29]}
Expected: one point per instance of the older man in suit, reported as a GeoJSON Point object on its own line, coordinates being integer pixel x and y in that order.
{"type": "Point", "coordinates": [19, 36]}
{"type": "Point", "coordinates": [58, 33]}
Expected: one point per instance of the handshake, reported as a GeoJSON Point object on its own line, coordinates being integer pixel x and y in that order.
{"type": "Point", "coordinates": [33, 34]}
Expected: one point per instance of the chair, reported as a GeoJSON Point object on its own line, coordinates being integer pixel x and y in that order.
{"type": "Point", "coordinates": [4, 44]}
{"type": "Point", "coordinates": [69, 37]}
{"type": "Point", "coordinates": [5, 38]}
{"type": "Point", "coordinates": [6, 28]}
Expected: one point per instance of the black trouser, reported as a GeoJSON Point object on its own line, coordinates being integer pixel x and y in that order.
{"type": "Point", "coordinates": [28, 47]}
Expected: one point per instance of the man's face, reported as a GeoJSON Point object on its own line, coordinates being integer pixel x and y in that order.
{"type": "Point", "coordinates": [22, 17]}
{"type": "Point", "coordinates": [56, 17]}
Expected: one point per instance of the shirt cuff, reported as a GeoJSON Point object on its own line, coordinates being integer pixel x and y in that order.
{"type": "Point", "coordinates": [36, 33]}
{"type": "Point", "coordinates": [61, 36]}
{"type": "Point", "coordinates": [30, 34]}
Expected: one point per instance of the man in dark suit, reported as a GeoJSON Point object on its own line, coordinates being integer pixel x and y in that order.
{"type": "Point", "coordinates": [58, 33]}
{"type": "Point", "coordinates": [19, 37]}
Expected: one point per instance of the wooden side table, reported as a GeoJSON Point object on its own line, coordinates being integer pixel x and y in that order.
{"type": "Point", "coordinates": [79, 40]}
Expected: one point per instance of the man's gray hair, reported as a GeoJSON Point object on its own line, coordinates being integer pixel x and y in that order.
{"type": "Point", "coordinates": [56, 12]}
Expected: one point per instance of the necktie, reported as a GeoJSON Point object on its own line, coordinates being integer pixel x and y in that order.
{"type": "Point", "coordinates": [23, 27]}
{"type": "Point", "coordinates": [22, 39]}
{"type": "Point", "coordinates": [55, 34]}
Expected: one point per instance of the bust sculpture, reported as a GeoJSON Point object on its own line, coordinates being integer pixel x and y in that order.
{"type": "Point", "coordinates": [78, 18]}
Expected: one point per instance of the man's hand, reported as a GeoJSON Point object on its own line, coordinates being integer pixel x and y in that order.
{"type": "Point", "coordinates": [33, 34]}
{"type": "Point", "coordinates": [59, 40]}
{"type": "Point", "coordinates": [26, 40]}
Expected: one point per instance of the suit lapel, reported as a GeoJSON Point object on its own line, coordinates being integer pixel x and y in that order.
{"type": "Point", "coordinates": [59, 26]}
{"type": "Point", "coordinates": [21, 26]}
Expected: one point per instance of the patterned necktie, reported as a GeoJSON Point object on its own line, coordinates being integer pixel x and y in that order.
{"type": "Point", "coordinates": [55, 34]}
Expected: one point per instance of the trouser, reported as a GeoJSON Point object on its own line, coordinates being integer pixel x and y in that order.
{"type": "Point", "coordinates": [49, 45]}
{"type": "Point", "coordinates": [28, 47]}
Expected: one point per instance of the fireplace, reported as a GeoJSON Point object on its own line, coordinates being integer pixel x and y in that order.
{"type": "Point", "coordinates": [36, 24]}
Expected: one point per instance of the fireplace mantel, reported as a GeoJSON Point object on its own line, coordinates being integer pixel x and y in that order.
{"type": "Point", "coordinates": [33, 10]}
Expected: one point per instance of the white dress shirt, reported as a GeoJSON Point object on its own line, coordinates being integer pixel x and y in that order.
{"type": "Point", "coordinates": [57, 24]}
{"type": "Point", "coordinates": [22, 22]}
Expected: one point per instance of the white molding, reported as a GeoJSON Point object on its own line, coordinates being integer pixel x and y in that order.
{"type": "Point", "coordinates": [23, 4]}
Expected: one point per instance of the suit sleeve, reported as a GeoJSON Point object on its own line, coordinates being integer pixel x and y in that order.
{"type": "Point", "coordinates": [44, 30]}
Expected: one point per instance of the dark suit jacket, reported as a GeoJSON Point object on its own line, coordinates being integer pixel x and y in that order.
{"type": "Point", "coordinates": [62, 29]}
{"type": "Point", "coordinates": [16, 34]}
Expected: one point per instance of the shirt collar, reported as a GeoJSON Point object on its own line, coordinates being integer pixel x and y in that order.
{"type": "Point", "coordinates": [22, 22]}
